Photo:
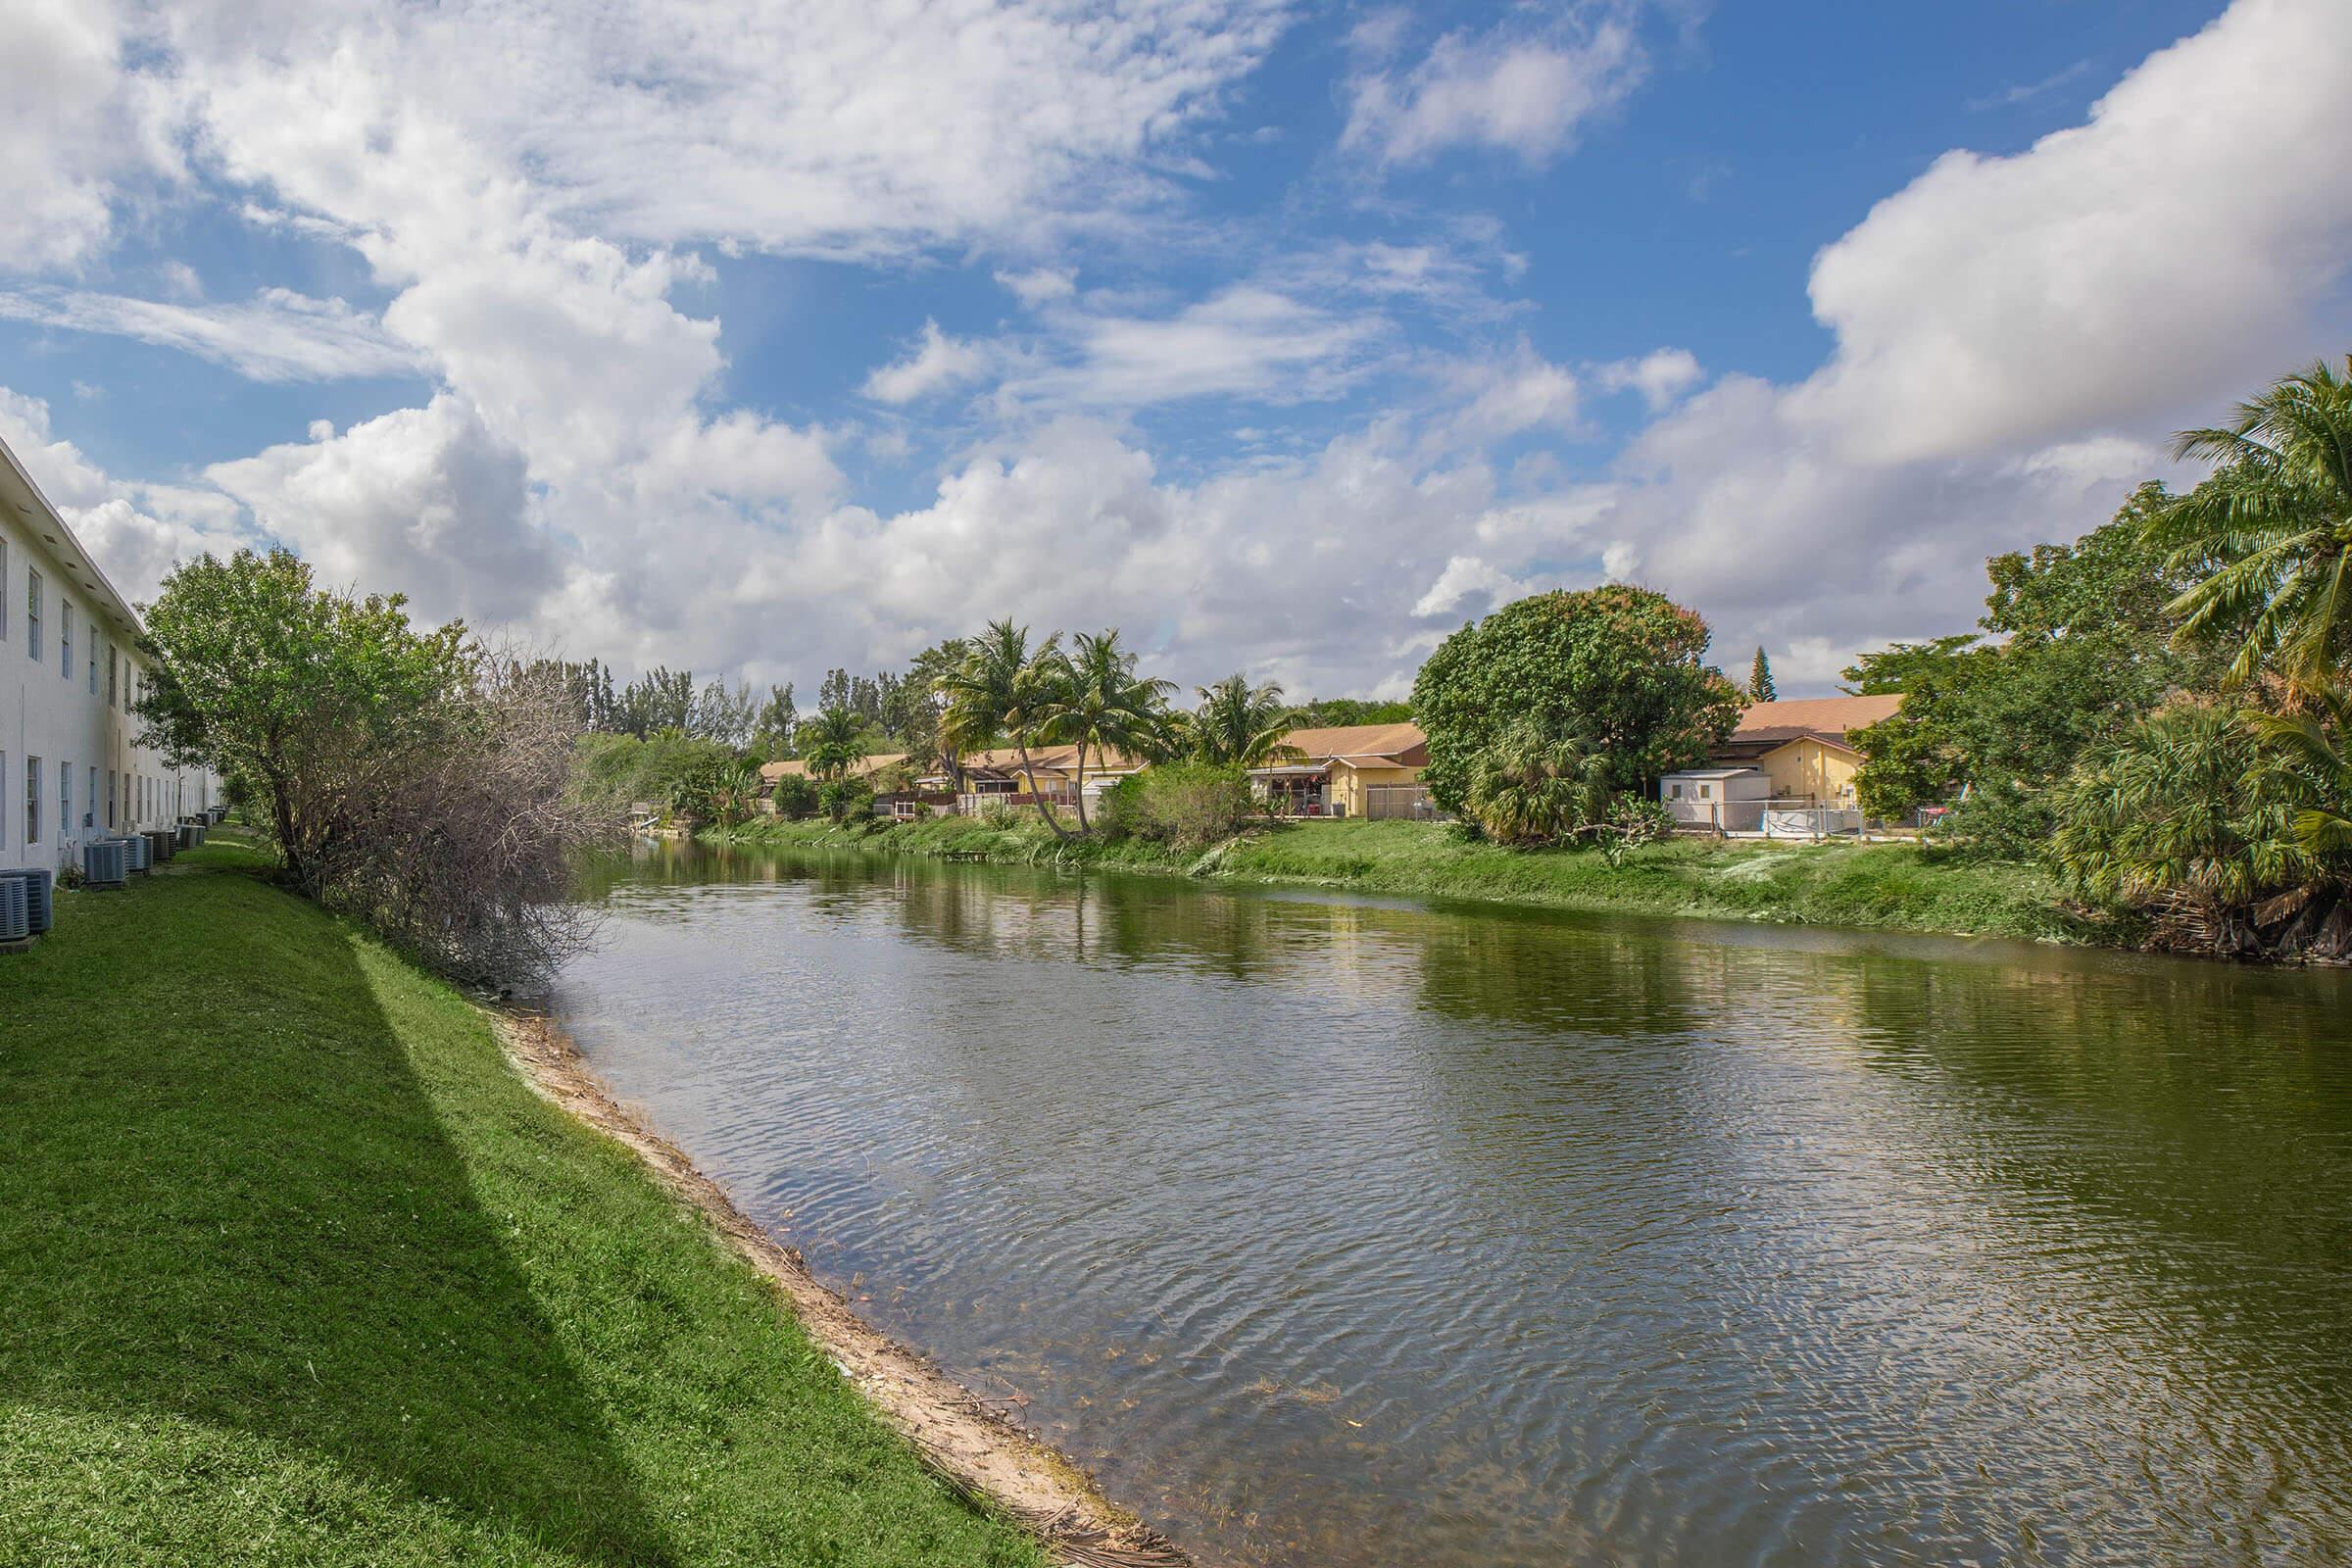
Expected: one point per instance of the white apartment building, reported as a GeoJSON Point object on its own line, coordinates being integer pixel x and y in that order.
{"type": "Point", "coordinates": [69, 769]}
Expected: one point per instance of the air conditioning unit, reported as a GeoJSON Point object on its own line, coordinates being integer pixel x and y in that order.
{"type": "Point", "coordinates": [40, 890]}
{"type": "Point", "coordinates": [16, 907]}
{"type": "Point", "coordinates": [162, 843]}
{"type": "Point", "coordinates": [141, 853]}
{"type": "Point", "coordinates": [105, 863]}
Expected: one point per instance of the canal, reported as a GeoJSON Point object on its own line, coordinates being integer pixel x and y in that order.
{"type": "Point", "coordinates": [1350, 1232]}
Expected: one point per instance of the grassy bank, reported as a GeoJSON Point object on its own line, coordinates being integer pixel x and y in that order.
{"type": "Point", "coordinates": [1879, 886]}
{"type": "Point", "coordinates": [294, 1269]}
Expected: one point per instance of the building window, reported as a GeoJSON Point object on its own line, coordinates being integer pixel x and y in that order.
{"type": "Point", "coordinates": [32, 616]}
{"type": "Point", "coordinates": [114, 660]}
{"type": "Point", "coordinates": [65, 800]}
{"type": "Point", "coordinates": [89, 802]}
{"type": "Point", "coordinates": [1706, 792]}
{"type": "Point", "coordinates": [65, 637]}
{"type": "Point", "coordinates": [110, 797]}
{"type": "Point", "coordinates": [32, 800]}
{"type": "Point", "coordinates": [1674, 792]}
{"type": "Point", "coordinates": [93, 658]}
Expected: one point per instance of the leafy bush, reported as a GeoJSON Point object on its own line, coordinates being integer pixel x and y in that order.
{"type": "Point", "coordinates": [1119, 810]}
{"type": "Point", "coordinates": [2185, 816]}
{"type": "Point", "coordinates": [795, 797]}
{"type": "Point", "coordinates": [1194, 804]}
{"type": "Point", "coordinates": [617, 770]}
{"type": "Point", "coordinates": [843, 798]}
{"type": "Point", "coordinates": [999, 815]}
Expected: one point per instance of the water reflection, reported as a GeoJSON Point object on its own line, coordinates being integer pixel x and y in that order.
{"type": "Point", "coordinates": [1373, 1232]}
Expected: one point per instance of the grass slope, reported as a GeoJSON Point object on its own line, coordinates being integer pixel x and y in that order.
{"type": "Point", "coordinates": [294, 1269]}
{"type": "Point", "coordinates": [1890, 886]}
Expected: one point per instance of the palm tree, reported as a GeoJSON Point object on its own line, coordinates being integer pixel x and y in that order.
{"type": "Point", "coordinates": [1531, 788]}
{"type": "Point", "coordinates": [2323, 830]}
{"type": "Point", "coordinates": [1103, 702]}
{"type": "Point", "coordinates": [1004, 688]}
{"type": "Point", "coordinates": [1236, 724]}
{"type": "Point", "coordinates": [2271, 530]}
{"type": "Point", "coordinates": [832, 742]}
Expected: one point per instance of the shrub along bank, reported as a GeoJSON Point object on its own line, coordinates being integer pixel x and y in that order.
{"type": "Point", "coordinates": [1890, 886]}
{"type": "Point", "coordinates": [295, 1268]}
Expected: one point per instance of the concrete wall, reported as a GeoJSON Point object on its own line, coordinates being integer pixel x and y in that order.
{"type": "Point", "coordinates": [1348, 782]}
{"type": "Point", "coordinates": [51, 711]}
{"type": "Point", "coordinates": [1806, 769]}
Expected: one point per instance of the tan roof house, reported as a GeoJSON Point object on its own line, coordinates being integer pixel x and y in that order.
{"type": "Point", "coordinates": [1802, 748]}
{"type": "Point", "coordinates": [865, 767]}
{"type": "Point", "coordinates": [1350, 770]}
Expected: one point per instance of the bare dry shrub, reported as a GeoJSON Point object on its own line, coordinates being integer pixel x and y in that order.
{"type": "Point", "coordinates": [461, 845]}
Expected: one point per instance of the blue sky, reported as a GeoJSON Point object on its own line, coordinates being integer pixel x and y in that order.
{"type": "Point", "coordinates": [1287, 337]}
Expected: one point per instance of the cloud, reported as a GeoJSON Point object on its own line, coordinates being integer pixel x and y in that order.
{"type": "Point", "coordinates": [425, 502]}
{"type": "Point", "coordinates": [2011, 335]}
{"type": "Point", "coordinates": [832, 127]}
{"type": "Point", "coordinates": [1244, 341]}
{"type": "Point", "coordinates": [1041, 284]}
{"type": "Point", "coordinates": [73, 124]}
{"type": "Point", "coordinates": [1660, 375]}
{"type": "Point", "coordinates": [1506, 90]}
{"type": "Point", "coordinates": [2117, 271]}
{"type": "Point", "coordinates": [278, 335]}
{"type": "Point", "coordinates": [938, 362]}
{"type": "Point", "coordinates": [137, 532]}
{"type": "Point", "coordinates": [2025, 92]}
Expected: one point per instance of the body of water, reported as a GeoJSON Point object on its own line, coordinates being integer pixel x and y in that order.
{"type": "Point", "coordinates": [1367, 1233]}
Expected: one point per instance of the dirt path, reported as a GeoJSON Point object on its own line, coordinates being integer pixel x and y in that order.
{"type": "Point", "coordinates": [974, 1446]}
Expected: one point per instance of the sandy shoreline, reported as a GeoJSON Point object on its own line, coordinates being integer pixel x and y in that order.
{"type": "Point", "coordinates": [979, 1452]}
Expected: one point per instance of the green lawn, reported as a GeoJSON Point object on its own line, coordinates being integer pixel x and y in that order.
{"type": "Point", "coordinates": [1896, 886]}
{"type": "Point", "coordinates": [294, 1269]}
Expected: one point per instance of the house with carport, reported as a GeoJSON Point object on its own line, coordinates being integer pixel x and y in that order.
{"type": "Point", "coordinates": [1360, 770]}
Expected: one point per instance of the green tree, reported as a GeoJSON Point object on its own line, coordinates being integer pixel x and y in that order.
{"type": "Point", "coordinates": [1099, 701]}
{"type": "Point", "coordinates": [2268, 533]}
{"type": "Point", "coordinates": [832, 742]}
{"type": "Point", "coordinates": [303, 693]}
{"type": "Point", "coordinates": [918, 702]}
{"type": "Point", "coordinates": [2087, 649]}
{"type": "Point", "coordinates": [1759, 679]}
{"type": "Point", "coordinates": [1004, 688]}
{"type": "Point", "coordinates": [1335, 712]}
{"type": "Point", "coordinates": [771, 729]}
{"type": "Point", "coordinates": [1620, 667]}
{"type": "Point", "coordinates": [1236, 724]}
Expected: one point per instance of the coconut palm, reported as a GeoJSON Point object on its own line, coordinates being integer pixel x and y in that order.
{"type": "Point", "coordinates": [1236, 724]}
{"type": "Point", "coordinates": [2271, 530]}
{"type": "Point", "coordinates": [832, 742]}
{"type": "Point", "coordinates": [1100, 702]}
{"type": "Point", "coordinates": [2318, 745]}
{"type": "Point", "coordinates": [1531, 788]}
{"type": "Point", "coordinates": [1004, 688]}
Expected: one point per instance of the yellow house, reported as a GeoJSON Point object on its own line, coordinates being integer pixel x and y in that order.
{"type": "Point", "coordinates": [1802, 745]}
{"type": "Point", "coordinates": [1350, 770]}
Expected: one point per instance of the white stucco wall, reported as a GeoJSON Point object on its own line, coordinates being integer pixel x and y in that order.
{"type": "Point", "coordinates": [50, 712]}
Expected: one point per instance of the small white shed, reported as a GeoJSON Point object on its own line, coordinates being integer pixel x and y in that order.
{"type": "Point", "coordinates": [1697, 796]}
